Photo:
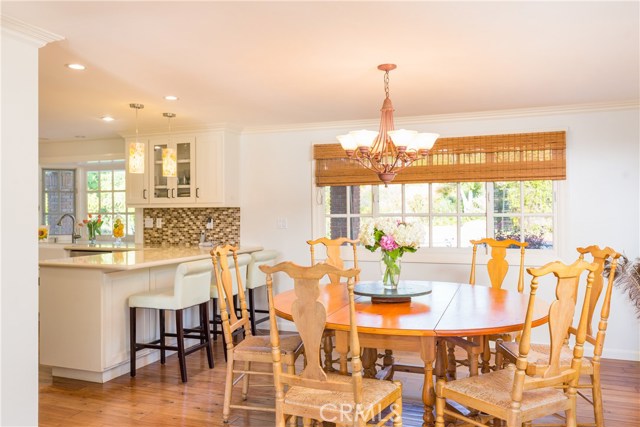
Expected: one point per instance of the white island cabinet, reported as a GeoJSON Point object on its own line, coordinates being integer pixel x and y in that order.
{"type": "Point", "coordinates": [84, 312]}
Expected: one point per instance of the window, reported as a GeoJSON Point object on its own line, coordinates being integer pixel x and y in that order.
{"type": "Point", "coordinates": [106, 197]}
{"type": "Point", "coordinates": [58, 198]}
{"type": "Point", "coordinates": [450, 213]}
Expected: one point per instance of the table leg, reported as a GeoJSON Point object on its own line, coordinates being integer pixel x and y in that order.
{"type": "Point", "coordinates": [342, 348]}
{"type": "Point", "coordinates": [428, 355]}
{"type": "Point", "coordinates": [369, 357]}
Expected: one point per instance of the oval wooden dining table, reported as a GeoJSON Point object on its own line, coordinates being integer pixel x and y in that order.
{"type": "Point", "coordinates": [450, 310]}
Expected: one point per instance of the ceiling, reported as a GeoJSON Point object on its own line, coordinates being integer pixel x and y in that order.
{"type": "Point", "coordinates": [264, 64]}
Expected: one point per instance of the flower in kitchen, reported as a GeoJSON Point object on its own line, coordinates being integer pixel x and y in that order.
{"type": "Point", "coordinates": [93, 224]}
{"type": "Point", "coordinates": [43, 232]}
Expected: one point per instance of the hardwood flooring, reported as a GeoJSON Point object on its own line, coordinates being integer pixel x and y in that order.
{"type": "Point", "coordinates": [157, 397]}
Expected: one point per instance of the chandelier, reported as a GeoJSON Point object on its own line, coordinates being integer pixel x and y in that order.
{"type": "Point", "coordinates": [388, 151]}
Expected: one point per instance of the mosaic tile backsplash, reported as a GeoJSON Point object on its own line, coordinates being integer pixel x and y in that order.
{"type": "Point", "coordinates": [181, 226]}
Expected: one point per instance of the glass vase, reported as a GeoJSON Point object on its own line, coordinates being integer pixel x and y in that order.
{"type": "Point", "coordinates": [91, 235]}
{"type": "Point", "coordinates": [390, 269]}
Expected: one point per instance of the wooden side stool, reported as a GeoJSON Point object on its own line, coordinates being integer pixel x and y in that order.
{"type": "Point", "coordinates": [191, 288]}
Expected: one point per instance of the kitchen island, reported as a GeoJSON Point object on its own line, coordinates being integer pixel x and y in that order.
{"type": "Point", "coordinates": [84, 312]}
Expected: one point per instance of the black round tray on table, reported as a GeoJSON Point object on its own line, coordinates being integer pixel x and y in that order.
{"type": "Point", "coordinates": [403, 293]}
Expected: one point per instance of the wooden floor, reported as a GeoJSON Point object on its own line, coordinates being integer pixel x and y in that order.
{"type": "Point", "coordinates": [157, 397]}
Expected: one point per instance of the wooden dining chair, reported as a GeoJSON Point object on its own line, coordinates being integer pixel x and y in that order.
{"type": "Point", "coordinates": [539, 355]}
{"type": "Point", "coordinates": [497, 268]}
{"type": "Point", "coordinates": [253, 348]}
{"type": "Point", "coordinates": [522, 393]}
{"type": "Point", "coordinates": [332, 257]}
{"type": "Point", "coordinates": [315, 394]}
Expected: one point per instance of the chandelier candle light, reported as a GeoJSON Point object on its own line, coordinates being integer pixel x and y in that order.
{"type": "Point", "coordinates": [394, 238]}
{"type": "Point", "coordinates": [388, 151]}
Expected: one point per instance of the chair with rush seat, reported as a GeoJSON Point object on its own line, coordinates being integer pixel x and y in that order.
{"type": "Point", "coordinates": [313, 394]}
{"type": "Point", "coordinates": [520, 394]}
{"type": "Point", "coordinates": [539, 355]}
{"type": "Point", "coordinates": [191, 288]}
{"type": "Point", "coordinates": [253, 348]}
{"type": "Point", "coordinates": [256, 279]}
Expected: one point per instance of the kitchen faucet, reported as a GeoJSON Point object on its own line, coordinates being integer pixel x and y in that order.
{"type": "Point", "coordinates": [74, 236]}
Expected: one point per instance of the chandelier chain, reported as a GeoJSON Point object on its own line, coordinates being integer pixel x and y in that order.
{"type": "Point", "coordinates": [386, 84]}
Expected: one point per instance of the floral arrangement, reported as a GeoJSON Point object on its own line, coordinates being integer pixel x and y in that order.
{"type": "Point", "coordinates": [43, 232]}
{"type": "Point", "coordinates": [394, 238]}
{"type": "Point", "coordinates": [118, 228]}
{"type": "Point", "coordinates": [93, 226]}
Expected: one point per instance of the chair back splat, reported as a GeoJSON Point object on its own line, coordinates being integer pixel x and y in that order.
{"type": "Point", "coordinates": [333, 256]}
{"type": "Point", "coordinates": [498, 265]}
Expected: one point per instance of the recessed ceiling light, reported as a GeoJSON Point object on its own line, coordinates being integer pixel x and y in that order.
{"type": "Point", "coordinates": [171, 98]}
{"type": "Point", "coordinates": [76, 66]}
{"type": "Point", "coordinates": [107, 118]}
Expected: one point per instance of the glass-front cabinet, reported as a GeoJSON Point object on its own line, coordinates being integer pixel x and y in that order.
{"type": "Point", "coordinates": [172, 168]}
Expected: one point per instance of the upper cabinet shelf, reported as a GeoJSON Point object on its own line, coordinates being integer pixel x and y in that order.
{"type": "Point", "coordinates": [207, 172]}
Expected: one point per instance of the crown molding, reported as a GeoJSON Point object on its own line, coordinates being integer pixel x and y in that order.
{"type": "Point", "coordinates": [183, 130]}
{"type": "Point", "coordinates": [457, 117]}
{"type": "Point", "coordinates": [31, 33]}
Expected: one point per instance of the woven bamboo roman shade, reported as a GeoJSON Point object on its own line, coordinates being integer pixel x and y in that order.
{"type": "Point", "coordinates": [513, 157]}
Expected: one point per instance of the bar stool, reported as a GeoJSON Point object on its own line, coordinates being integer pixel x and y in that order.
{"type": "Point", "coordinates": [191, 287]}
{"type": "Point", "coordinates": [256, 279]}
{"type": "Point", "coordinates": [243, 263]}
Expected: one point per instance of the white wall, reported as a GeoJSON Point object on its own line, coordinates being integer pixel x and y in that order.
{"type": "Point", "coordinates": [18, 225]}
{"type": "Point", "coordinates": [81, 150]}
{"type": "Point", "coordinates": [600, 195]}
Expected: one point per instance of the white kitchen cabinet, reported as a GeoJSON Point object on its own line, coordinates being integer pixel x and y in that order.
{"type": "Point", "coordinates": [137, 183]}
{"type": "Point", "coordinates": [207, 172]}
{"type": "Point", "coordinates": [178, 189]}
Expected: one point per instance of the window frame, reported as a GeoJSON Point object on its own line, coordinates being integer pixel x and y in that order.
{"type": "Point", "coordinates": [444, 255]}
{"type": "Point", "coordinates": [83, 200]}
{"type": "Point", "coordinates": [43, 192]}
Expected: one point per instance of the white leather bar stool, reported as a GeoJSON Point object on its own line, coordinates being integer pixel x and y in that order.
{"type": "Point", "coordinates": [256, 279]}
{"type": "Point", "coordinates": [191, 287]}
{"type": "Point", "coordinates": [243, 263]}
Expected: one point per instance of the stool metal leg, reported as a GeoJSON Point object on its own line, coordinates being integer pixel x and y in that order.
{"type": "Point", "coordinates": [180, 337]}
{"type": "Point", "coordinates": [132, 339]}
{"type": "Point", "coordinates": [162, 332]}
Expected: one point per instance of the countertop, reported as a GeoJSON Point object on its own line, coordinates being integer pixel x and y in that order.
{"type": "Point", "coordinates": [135, 257]}
{"type": "Point", "coordinates": [98, 247]}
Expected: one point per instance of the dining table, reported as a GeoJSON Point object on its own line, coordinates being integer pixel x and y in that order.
{"type": "Point", "coordinates": [449, 310]}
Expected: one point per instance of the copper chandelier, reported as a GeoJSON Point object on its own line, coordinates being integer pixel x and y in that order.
{"type": "Point", "coordinates": [388, 151]}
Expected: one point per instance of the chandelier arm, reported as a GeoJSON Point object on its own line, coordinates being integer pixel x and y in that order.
{"type": "Point", "coordinates": [363, 159]}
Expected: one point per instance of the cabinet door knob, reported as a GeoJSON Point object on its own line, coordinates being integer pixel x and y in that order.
{"type": "Point", "coordinates": [144, 194]}
{"type": "Point", "coordinates": [198, 193]}
{"type": "Point", "coordinates": [173, 193]}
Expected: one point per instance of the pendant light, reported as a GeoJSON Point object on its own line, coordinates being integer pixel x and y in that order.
{"type": "Point", "coordinates": [136, 148]}
{"type": "Point", "coordinates": [169, 158]}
